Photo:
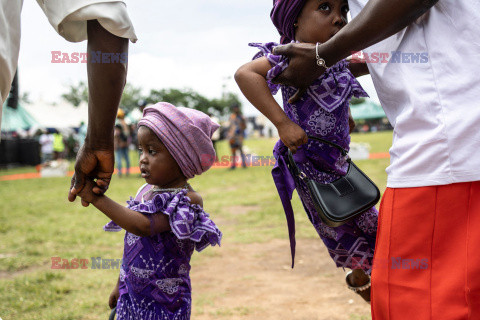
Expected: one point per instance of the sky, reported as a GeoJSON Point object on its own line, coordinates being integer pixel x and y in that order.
{"type": "Point", "coordinates": [197, 44]}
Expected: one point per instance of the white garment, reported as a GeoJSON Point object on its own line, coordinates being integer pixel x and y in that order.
{"type": "Point", "coordinates": [68, 17]}
{"type": "Point", "coordinates": [433, 106]}
{"type": "Point", "coordinates": [46, 143]}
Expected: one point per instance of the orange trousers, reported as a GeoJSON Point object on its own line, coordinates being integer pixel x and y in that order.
{"type": "Point", "coordinates": [427, 254]}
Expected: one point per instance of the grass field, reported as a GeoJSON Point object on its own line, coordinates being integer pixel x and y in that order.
{"type": "Point", "coordinates": [38, 223]}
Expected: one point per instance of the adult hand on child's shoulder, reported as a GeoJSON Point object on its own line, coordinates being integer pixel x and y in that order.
{"type": "Point", "coordinates": [302, 68]}
{"type": "Point", "coordinates": [292, 135]}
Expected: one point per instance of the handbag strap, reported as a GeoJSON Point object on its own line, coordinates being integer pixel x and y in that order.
{"type": "Point", "coordinates": [342, 150]}
{"type": "Point", "coordinates": [293, 164]}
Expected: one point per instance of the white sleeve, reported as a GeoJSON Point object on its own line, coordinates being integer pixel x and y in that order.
{"type": "Point", "coordinates": [69, 17]}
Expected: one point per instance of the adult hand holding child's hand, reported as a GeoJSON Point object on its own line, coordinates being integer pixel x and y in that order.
{"type": "Point", "coordinates": [94, 163]}
{"type": "Point", "coordinates": [86, 194]}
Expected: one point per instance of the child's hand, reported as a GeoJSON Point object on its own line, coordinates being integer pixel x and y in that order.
{"type": "Point", "coordinates": [86, 194]}
{"type": "Point", "coordinates": [112, 300]}
{"type": "Point", "coordinates": [292, 135]}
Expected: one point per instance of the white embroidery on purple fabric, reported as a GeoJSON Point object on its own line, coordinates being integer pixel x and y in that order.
{"type": "Point", "coordinates": [321, 122]}
{"type": "Point", "coordinates": [368, 221]}
{"type": "Point", "coordinates": [183, 269]}
{"type": "Point", "coordinates": [169, 285]}
{"type": "Point", "coordinates": [136, 310]}
{"type": "Point", "coordinates": [131, 238]}
{"type": "Point", "coordinates": [141, 273]}
{"type": "Point", "coordinates": [122, 274]}
{"type": "Point", "coordinates": [329, 93]}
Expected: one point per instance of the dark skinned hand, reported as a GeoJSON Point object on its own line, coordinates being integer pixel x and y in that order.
{"type": "Point", "coordinates": [112, 300]}
{"type": "Point", "coordinates": [292, 135]}
{"type": "Point", "coordinates": [302, 68]}
{"type": "Point", "coordinates": [92, 164]}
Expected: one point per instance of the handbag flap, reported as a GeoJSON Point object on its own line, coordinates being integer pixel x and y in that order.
{"type": "Point", "coordinates": [345, 197]}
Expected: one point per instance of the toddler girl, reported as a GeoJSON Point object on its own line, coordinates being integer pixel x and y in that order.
{"type": "Point", "coordinates": [322, 111]}
{"type": "Point", "coordinates": [165, 222]}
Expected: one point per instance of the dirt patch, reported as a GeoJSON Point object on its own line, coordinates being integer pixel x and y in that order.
{"type": "Point", "coordinates": [255, 281]}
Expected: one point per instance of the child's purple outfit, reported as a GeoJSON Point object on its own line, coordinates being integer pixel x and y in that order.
{"type": "Point", "coordinates": [322, 112]}
{"type": "Point", "coordinates": [154, 277]}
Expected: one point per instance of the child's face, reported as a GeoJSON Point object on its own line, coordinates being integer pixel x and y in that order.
{"type": "Point", "coordinates": [157, 165]}
{"type": "Point", "coordinates": [320, 20]}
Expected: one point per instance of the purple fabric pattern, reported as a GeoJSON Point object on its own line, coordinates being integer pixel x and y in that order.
{"type": "Point", "coordinates": [322, 112]}
{"type": "Point", "coordinates": [154, 277]}
{"type": "Point", "coordinates": [283, 15]}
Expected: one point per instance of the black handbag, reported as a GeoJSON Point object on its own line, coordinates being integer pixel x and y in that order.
{"type": "Point", "coordinates": [343, 199]}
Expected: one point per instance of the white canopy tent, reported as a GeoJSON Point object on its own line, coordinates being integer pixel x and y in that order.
{"type": "Point", "coordinates": [61, 115]}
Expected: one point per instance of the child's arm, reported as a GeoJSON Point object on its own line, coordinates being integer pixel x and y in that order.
{"type": "Point", "coordinates": [132, 221]}
{"type": "Point", "coordinates": [358, 68]}
{"type": "Point", "coordinates": [113, 298]}
{"type": "Point", "coordinates": [251, 80]}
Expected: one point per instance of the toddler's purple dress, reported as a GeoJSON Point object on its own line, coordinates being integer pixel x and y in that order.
{"type": "Point", "coordinates": [323, 112]}
{"type": "Point", "coordinates": [154, 277]}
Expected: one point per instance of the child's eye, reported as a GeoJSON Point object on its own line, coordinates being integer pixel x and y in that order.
{"type": "Point", "coordinates": [152, 152]}
{"type": "Point", "coordinates": [324, 6]}
{"type": "Point", "coordinates": [140, 150]}
{"type": "Point", "coordinates": [345, 9]}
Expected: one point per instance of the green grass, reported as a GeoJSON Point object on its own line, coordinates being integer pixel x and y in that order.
{"type": "Point", "coordinates": [38, 223]}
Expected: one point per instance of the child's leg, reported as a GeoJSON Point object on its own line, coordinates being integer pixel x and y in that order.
{"type": "Point", "coordinates": [118, 160]}
{"type": "Point", "coordinates": [127, 160]}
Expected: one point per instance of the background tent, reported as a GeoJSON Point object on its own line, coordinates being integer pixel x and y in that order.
{"type": "Point", "coordinates": [17, 119]}
{"type": "Point", "coordinates": [367, 109]}
{"type": "Point", "coordinates": [61, 115]}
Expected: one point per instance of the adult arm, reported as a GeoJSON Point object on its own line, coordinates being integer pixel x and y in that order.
{"type": "Point", "coordinates": [105, 83]}
{"type": "Point", "coordinates": [378, 20]}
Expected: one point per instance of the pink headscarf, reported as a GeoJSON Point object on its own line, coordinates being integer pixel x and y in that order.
{"type": "Point", "coordinates": [186, 133]}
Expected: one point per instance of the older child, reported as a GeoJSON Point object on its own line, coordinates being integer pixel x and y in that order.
{"type": "Point", "coordinates": [322, 111]}
{"type": "Point", "coordinates": [166, 221]}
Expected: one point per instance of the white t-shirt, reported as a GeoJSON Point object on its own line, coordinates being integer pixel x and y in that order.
{"type": "Point", "coordinates": [430, 92]}
{"type": "Point", "coordinates": [46, 143]}
{"type": "Point", "coordinates": [68, 17]}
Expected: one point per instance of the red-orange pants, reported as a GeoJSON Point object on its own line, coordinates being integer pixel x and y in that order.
{"type": "Point", "coordinates": [427, 254]}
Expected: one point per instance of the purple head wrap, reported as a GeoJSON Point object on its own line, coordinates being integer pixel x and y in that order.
{"type": "Point", "coordinates": [186, 133]}
{"type": "Point", "coordinates": [283, 15]}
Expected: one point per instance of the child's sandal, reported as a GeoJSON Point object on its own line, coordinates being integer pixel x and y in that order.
{"type": "Point", "coordinates": [363, 291]}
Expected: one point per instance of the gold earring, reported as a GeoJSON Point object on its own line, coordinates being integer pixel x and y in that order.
{"type": "Point", "coordinates": [295, 25]}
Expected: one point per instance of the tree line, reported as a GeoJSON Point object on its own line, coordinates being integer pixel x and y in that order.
{"type": "Point", "coordinates": [132, 96]}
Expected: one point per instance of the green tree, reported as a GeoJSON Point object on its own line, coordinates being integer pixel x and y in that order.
{"type": "Point", "coordinates": [179, 97]}
{"type": "Point", "coordinates": [77, 94]}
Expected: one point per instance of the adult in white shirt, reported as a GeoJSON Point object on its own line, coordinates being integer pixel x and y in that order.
{"type": "Point", "coordinates": [106, 25]}
{"type": "Point", "coordinates": [46, 146]}
{"type": "Point", "coordinates": [426, 264]}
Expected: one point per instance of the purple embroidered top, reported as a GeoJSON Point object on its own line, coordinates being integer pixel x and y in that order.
{"type": "Point", "coordinates": [154, 277]}
{"type": "Point", "coordinates": [323, 112]}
